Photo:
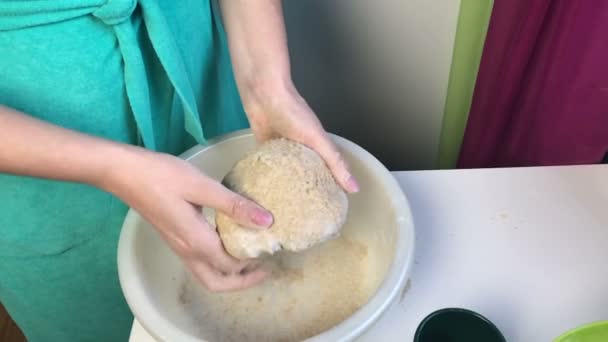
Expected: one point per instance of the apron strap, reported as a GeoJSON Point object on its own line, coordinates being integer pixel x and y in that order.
{"type": "Point", "coordinates": [167, 52]}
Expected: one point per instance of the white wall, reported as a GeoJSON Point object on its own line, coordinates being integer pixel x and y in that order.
{"type": "Point", "coordinates": [376, 71]}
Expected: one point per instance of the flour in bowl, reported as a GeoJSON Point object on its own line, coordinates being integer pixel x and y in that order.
{"type": "Point", "coordinates": [306, 294]}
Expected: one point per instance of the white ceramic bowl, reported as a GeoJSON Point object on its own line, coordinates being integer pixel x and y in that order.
{"type": "Point", "coordinates": [151, 275]}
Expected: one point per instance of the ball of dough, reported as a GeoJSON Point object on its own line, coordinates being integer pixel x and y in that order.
{"type": "Point", "coordinates": [296, 186]}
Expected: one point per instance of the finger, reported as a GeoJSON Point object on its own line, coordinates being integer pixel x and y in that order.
{"type": "Point", "coordinates": [216, 282]}
{"type": "Point", "coordinates": [244, 211]}
{"type": "Point", "coordinates": [216, 255]}
{"type": "Point", "coordinates": [193, 238]}
{"type": "Point", "coordinates": [205, 243]}
{"type": "Point", "coordinates": [179, 229]}
{"type": "Point", "coordinates": [335, 161]}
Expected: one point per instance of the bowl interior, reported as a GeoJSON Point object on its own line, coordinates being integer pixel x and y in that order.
{"type": "Point", "coordinates": [168, 303]}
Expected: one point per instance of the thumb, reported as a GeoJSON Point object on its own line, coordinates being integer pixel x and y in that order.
{"type": "Point", "coordinates": [244, 211]}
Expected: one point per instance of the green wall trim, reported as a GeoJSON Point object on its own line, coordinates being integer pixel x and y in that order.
{"type": "Point", "coordinates": [473, 21]}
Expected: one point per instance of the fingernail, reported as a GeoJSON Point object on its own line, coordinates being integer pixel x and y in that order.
{"type": "Point", "coordinates": [352, 185]}
{"type": "Point", "coordinates": [262, 218]}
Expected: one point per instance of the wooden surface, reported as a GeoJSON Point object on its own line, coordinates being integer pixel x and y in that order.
{"type": "Point", "coordinates": [9, 332]}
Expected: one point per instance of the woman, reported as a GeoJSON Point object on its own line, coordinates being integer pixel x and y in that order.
{"type": "Point", "coordinates": [97, 96]}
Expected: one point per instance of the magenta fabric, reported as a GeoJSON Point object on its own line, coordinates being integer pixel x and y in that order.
{"type": "Point", "coordinates": [541, 96]}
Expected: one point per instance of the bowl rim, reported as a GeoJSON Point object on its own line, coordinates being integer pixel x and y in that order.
{"type": "Point", "coordinates": [581, 328]}
{"type": "Point", "coordinates": [350, 328]}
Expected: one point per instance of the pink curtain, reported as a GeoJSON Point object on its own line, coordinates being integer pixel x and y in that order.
{"type": "Point", "coordinates": [541, 96]}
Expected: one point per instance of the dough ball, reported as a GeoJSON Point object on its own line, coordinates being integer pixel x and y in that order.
{"type": "Point", "coordinates": [296, 186]}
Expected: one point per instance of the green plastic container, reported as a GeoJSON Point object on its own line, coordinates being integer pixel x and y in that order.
{"type": "Point", "coordinates": [592, 332]}
{"type": "Point", "coordinates": [457, 325]}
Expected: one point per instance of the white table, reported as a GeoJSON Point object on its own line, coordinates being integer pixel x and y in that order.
{"type": "Point", "coordinates": [527, 248]}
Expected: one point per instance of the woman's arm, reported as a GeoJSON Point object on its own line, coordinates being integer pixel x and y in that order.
{"type": "Point", "coordinates": [31, 147]}
{"type": "Point", "coordinates": [258, 49]}
{"type": "Point", "coordinates": [167, 191]}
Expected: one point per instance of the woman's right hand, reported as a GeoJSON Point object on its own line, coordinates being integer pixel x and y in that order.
{"type": "Point", "coordinates": [169, 193]}
{"type": "Point", "coordinates": [165, 190]}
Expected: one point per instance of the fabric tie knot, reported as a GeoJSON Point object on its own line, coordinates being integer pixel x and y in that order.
{"type": "Point", "coordinates": [114, 12]}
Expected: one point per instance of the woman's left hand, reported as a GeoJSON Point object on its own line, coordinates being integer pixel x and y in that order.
{"type": "Point", "coordinates": [281, 112]}
{"type": "Point", "coordinates": [258, 51]}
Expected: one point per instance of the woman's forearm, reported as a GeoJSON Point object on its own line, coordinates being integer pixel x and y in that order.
{"type": "Point", "coordinates": [31, 147]}
{"type": "Point", "coordinates": [258, 47]}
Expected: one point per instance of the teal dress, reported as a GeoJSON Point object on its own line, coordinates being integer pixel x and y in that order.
{"type": "Point", "coordinates": [154, 73]}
